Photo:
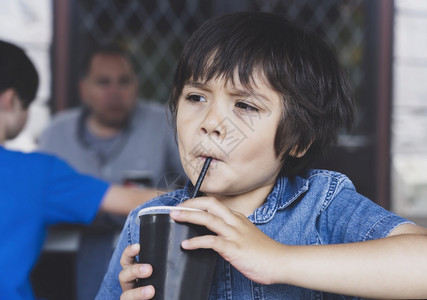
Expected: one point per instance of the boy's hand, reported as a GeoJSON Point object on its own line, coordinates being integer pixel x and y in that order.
{"type": "Point", "coordinates": [238, 241]}
{"type": "Point", "coordinates": [131, 272]}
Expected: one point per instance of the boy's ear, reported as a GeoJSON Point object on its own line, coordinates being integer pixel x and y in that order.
{"type": "Point", "coordinates": [6, 99]}
{"type": "Point", "coordinates": [296, 154]}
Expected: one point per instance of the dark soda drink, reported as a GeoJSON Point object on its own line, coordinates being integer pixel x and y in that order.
{"type": "Point", "coordinates": [177, 273]}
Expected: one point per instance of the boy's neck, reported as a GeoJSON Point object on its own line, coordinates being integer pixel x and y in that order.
{"type": "Point", "coordinates": [246, 203]}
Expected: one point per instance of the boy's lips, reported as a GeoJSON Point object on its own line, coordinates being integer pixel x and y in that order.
{"type": "Point", "coordinates": [204, 156]}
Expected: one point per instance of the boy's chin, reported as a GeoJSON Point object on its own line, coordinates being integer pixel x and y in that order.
{"type": "Point", "coordinates": [207, 191]}
{"type": "Point", "coordinates": [214, 191]}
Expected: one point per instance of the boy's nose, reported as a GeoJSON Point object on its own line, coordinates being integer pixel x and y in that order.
{"type": "Point", "coordinates": [213, 123]}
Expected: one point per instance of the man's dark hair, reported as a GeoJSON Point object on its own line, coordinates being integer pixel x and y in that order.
{"type": "Point", "coordinates": [17, 72]}
{"type": "Point", "coordinates": [296, 64]}
{"type": "Point", "coordinates": [110, 49]}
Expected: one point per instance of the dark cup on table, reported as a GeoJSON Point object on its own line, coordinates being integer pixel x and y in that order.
{"type": "Point", "coordinates": [177, 273]}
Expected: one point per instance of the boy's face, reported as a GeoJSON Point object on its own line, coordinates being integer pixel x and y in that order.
{"type": "Point", "coordinates": [236, 127]}
{"type": "Point", "coordinates": [12, 113]}
{"type": "Point", "coordinates": [20, 116]}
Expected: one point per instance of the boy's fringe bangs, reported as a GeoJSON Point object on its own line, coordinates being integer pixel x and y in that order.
{"type": "Point", "coordinates": [230, 66]}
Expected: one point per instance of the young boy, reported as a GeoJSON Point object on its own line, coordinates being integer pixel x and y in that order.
{"type": "Point", "coordinates": [263, 98]}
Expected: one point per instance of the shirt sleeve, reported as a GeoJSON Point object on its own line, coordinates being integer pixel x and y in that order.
{"type": "Point", "coordinates": [70, 196]}
{"type": "Point", "coordinates": [351, 217]}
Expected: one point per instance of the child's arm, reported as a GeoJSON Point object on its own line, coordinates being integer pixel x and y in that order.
{"type": "Point", "coordinates": [121, 200]}
{"type": "Point", "coordinates": [393, 267]}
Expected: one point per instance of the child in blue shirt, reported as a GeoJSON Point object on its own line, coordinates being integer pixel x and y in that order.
{"type": "Point", "coordinates": [263, 98]}
{"type": "Point", "coordinates": [39, 190]}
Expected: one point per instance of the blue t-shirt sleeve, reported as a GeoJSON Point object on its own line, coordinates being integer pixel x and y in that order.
{"type": "Point", "coordinates": [72, 197]}
{"type": "Point", "coordinates": [351, 217]}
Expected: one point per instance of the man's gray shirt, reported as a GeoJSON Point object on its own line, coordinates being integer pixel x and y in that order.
{"type": "Point", "coordinates": [147, 145]}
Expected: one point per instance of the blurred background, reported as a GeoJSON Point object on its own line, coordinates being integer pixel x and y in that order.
{"type": "Point", "coordinates": [381, 42]}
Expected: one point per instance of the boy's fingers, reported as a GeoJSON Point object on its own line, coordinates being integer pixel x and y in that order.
{"type": "Point", "coordinates": [128, 255]}
{"type": "Point", "coordinates": [209, 204]}
{"type": "Point", "coordinates": [142, 293]}
{"type": "Point", "coordinates": [210, 221]}
{"type": "Point", "coordinates": [128, 276]}
{"type": "Point", "coordinates": [212, 206]}
{"type": "Point", "coordinates": [204, 242]}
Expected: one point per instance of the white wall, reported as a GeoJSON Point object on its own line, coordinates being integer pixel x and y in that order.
{"type": "Point", "coordinates": [28, 24]}
{"type": "Point", "coordinates": [409, 119]}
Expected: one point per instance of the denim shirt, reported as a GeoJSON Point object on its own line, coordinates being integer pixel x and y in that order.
{"type": "Point", "coordinates": [322, 208]}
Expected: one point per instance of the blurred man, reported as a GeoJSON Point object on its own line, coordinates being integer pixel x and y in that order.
{"type": "Point", "coordinates": [38, 190]}
{"type": "Point", "coordinates": [113, 132]}
{"type": "Point", "coordinates": [112, 135]}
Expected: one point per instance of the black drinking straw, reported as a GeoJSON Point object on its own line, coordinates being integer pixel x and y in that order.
{"type": "Point", "coordinates": [201, 176]}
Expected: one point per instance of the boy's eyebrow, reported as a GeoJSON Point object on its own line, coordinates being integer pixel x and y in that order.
{"type": "Point", "coordinates": [196, 84]}
{"type": "Point", "coordinates": [235, 91]}
{"type": "Point", "coordinates": [250, 93]}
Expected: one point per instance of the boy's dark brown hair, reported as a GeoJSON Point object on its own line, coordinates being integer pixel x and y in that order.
{"type": "Point", "coordinates": [298, 65]}
{"type": "Point", "coordinates": [17, 72]}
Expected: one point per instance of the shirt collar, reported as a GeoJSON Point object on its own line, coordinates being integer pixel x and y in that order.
{"type": "Point", "coordinates": [284, 192]}
{"type": "Point", "coordinates": [188, 188]}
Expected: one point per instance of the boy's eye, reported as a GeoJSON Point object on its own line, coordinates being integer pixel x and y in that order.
{"type": "Point", "coordinates": [195, 98]}
{"type": "Point", "coordinates": [246, 107]}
